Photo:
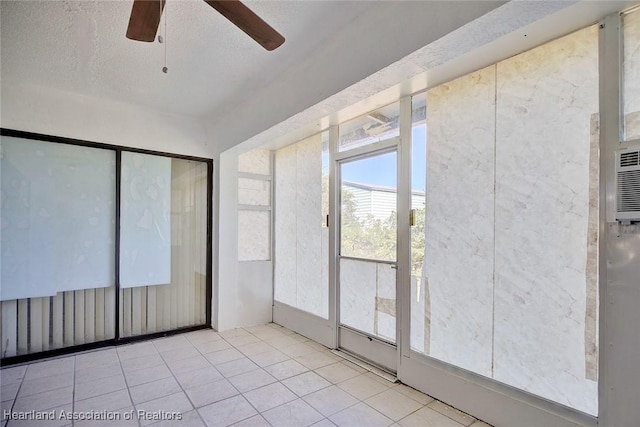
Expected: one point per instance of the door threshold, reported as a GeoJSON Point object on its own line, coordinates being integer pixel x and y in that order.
{"type": "Point", "coordinates": [366, 365]}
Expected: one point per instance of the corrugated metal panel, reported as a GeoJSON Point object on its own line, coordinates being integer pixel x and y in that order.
{"type": "Point", "coordinates": [378, 202]}
{"type": "Point", "coordinates": [384, 204]}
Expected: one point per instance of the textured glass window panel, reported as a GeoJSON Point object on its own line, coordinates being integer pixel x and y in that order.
{"type": "Point", "coordinates": [285, 218]}
{"type": "Point", "coordinates": [454, 321]}
{"type": "Point", "coordinates": [368, 297]}
{"type": "Point", "coordinates": [376, 126]}
{"type": "Point", "coordinates": [254, 235]}
{"type": "Point", "coordinates": [301, 239]}
{"type": "Point", "coordinates": [256, 161]}
{"type": "Point", "coordinates": [312, 283]}
{"type": "Point", "coordinates": [145, 220]}
{"type": "Point", "coordinates": [58, 218]}
{"type": "Point", "coordinates": [522, 307]}
{"type": "Point", "coordinates": [419, 301]}
{"type": "Point", "coordinates": [358, 294]}
{"type": "Point", "coordinates": [631, 74]}
{"type": "Point", "coordinates": [254, 192]}
{"type": "Point", "coordinates": [325, 177]}
{"type": "Point", "coordinates": [546, 221]}
{"type": "Point", "coordinates": [323, 287]}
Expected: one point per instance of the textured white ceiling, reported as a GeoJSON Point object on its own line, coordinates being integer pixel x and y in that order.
{"type": "Point", "coordinates": [496, 32]}
{"type": "Point", "coordinates": [80, 47]}
{"type": "Point", "coordinates": [340, 59]}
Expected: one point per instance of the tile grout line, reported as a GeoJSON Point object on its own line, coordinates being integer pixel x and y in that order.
{"type": "Point", "coordinates": [455, 409]}
{"type": "Point", "coordinates": [242, 394]}
{"type": "Point", "coordinates": [262, 368]}
{"type": "Point", "coordinates": [73, 391]}
{"type": "Point", "coordinates": [358, 399]}
{"type": "Point", "coordinates": [184, 391]}
{"type": "Point", "coordinates": [277, 381]}
{"type": "Point", "coordinates": [227, 379]}
{"type": "Point", "coordinates": [323, 388]}
{"type": "Point", "coordinates": [317, 351]}
{"type": "Point", "coordinates": [173, 374]}
{"type": "Point", "coordinates": [23, 379]}
{"type": "Point", "coordinates": [126, 383]}
{"type": "Point", "coordinates": [15, 399]}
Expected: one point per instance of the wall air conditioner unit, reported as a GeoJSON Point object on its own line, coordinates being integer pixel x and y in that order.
{"type": "Point", "coordinates": [628, 184]}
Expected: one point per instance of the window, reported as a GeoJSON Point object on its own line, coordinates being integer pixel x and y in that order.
{"type": "Point", "coordinates": [375, 126]}
{"type": "Point", "coordinates": [58, 262]}
{"type": "Point", "coordinates": [631, 75]}
{"type": "Point", "coordinates": [254, 206]}
{"type": "Point", "coordinates": [301, 236]}
{"type": "Point", "coordinates": [510, 267]}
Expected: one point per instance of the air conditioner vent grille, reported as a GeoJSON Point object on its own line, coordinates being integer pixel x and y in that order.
{"type": "Point", "coordinates": [630, 159]}
{"type": "Point", "coordinates": [628, 184]}
{"type": "Point", "coordinates": [629, 191]}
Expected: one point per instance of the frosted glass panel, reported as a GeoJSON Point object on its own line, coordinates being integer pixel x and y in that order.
{"type": "Point", "coordinates": [631, 76]}
{"type": "Point", "coordinates": [545, 331]}
{"type": "Point", "coordinates": [510, 289]}
{"type": "Point", "coordinates": [254, 237]}
{"type": "Point", "coordinates": [285, 278]}
{"type": "Point", "coordinates": [368, 297]}
{"type": "Point", "coordinates": [301, 239]}
{"type": "Point", "coordinates": [358, 294]}
{"type": "Point", "coordinates": [58, 218]}
{"type": "Point", "coordinates": [256, 161]}
{"type": "Point", "coordinates": [145, 224]}
{"type": "Point", "coordinates": [456, 294]}
{"type": "Point", "coordinates": [254, 192]}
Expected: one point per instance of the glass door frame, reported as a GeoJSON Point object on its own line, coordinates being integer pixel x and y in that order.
{"type": "Point", "coordinates": [327, 331]}
{"type": "Point", "coordinates": [116, 305]}
{"type": "Point", "coordinates": [374, 349]}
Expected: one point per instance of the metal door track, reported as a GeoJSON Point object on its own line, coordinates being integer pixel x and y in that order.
{"type": "Point", "coordinates": [366, 366]}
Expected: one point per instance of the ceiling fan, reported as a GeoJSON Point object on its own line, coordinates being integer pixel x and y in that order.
{"type": "Point", "coordinates": [145, 18]}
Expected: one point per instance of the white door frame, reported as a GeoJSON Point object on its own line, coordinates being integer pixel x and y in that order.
{"type": "Point", "coordinates": [368, 347]}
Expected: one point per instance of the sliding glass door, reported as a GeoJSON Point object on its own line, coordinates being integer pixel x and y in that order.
{"type": "Point", "coordinates": [98, 243]}
{"type": "Point", "coordinates": [57, 242]}
{"type": "Point", "coordinates": [163, 243]}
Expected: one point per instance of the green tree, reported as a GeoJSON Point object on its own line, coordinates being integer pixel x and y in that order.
{"type": "Point", "coordinates": [418, 242]}
{"type": "Point", "coordinates": [376, 239]}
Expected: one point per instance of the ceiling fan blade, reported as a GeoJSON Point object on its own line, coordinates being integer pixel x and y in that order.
{"type": "Point", "coordinates": [249, 22]}
{"type": "Point", "coordinates": [144, 20]}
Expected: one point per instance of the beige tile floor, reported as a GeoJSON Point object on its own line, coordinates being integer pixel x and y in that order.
{"type": "Point", "coordinates": [259, 376]}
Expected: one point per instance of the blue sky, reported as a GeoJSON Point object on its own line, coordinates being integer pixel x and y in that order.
{"type": "Point", "coordinates": [380, 170]}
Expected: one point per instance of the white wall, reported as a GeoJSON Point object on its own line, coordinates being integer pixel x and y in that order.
{"type": "Point", "coordinates": [242, 289]}
{"type": "Point", "coordinates": [54, 112]}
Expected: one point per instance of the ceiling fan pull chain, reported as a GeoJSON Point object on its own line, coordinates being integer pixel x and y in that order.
{"type": "Point", "coordinates": [166, 14]}
{"type": "Point", "coordinates": [160, 38]}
